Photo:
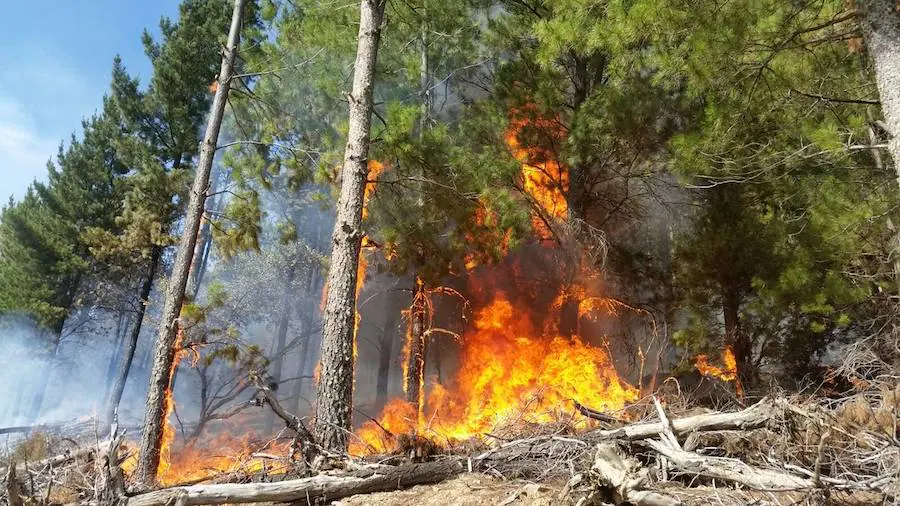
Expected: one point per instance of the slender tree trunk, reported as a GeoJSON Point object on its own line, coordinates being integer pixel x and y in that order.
{"type": "Point", "coordinates": [880, 23]}
{"type": "Point", "coordinates": [281, 339]}
{"type": "Point", "coordinates": [734, 336]}
{"type": "Point", "coordinates": [417, 341]}
{"type": "Point", "coordinates": [37, 402]}
{"type": "Point", "coordinates": [122, 322]}
{"type": "Point", "coordinates": [417, 344]}
{"type": "Point", "coordinates": [118, 387]}
{"type": "Point", "coordinates": [151, 440]}
{"type": "Point", "coordinates": [335, 392]}
{"type": "Point", "coordinates": [306, 324]}
{"type": "Point", "coordinates": [385, 354]}
{"type": "Point", "coordinates": [201, 255]}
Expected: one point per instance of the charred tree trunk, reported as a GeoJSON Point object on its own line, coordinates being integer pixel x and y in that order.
{"type": "Point", "coordinates": [417, 344]}
{"type": "Point", "coordinates": [335, 392]}
{"type": "Point", "coordinates": [416, 340]}
{"type": "Point", "coordinates": [881, 28]}
{"type": "Point", "coordinates": [385, 354]}
{"type": "Point", "coordinates": [115, 394]}
{"type": "Point", "coordinates": [151, 439]}
{"type": "Point", "coordinates": [281, 339]}
{"type": "Point", "coordinates": [734, 335]}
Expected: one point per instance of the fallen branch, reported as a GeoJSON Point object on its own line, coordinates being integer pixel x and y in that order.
{"type": "Point", "coordinates": [594, 414]}
{"type": "Point", "coordinates": [733, 470]}
{"type": "Point", "coordinates": [623, 477]}
{"type": "Point", "coordinates": [314, 490]}
{"type": "Point", "coordinates": [754, 417]}
{"type": "Point", "coordinates": [87, 453]}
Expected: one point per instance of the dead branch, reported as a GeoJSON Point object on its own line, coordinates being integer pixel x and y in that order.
{"type": "Point", "coordinates": [13, 495]}
{"type": "Point", "coordinates": [754, 417]}
{"type": "Point", "coordinates": [624, 478]}
{"type": "Point", "coordinates": [728, 469]}
{"type": "Point", "coordinates": [314, 490]}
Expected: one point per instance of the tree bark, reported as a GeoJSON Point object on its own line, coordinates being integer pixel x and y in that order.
{"type": "Point", "coordinates": [281, 338]}
{"type": "Point", "coordinates": [151, 439]}
{"type": "Point", "coordinates": [335, 392]}
{"type": "Point", "coordinates": [115, 395]}
{"type": "Point", "coordinates": [881, 29]}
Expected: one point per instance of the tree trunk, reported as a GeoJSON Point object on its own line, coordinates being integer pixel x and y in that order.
{"type": "Point", "coordinates": [306, 324]}
{"type": "Point", "coordinates": [734, 335]}
{"type": "Point", "coordinates": [335, 392]}
{"type": "Point", "coordinates": [416, 340]}
{"type": "Point", "coordinates": [281, 339]}
{"type": "Point", "coordinates": [385, 354]}
{"type": "Point", "coordinates": [151, 439]}
{"type": "Point", "coordinates": [37, 402]}
{"type": "Point", "coordinates": [122, 324]}
{"type": "Point", "coordinates": [115, 395]}
{"type": "Point", "coordinates": [417, 344]}
{"type": "Point", "coordinates": [881, 28]}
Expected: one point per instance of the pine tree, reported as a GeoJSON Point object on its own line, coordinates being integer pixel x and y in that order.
{"type": "Point", "coordinates": [335, 395]}
{"type": "Point", "coordinates": [154, 418]}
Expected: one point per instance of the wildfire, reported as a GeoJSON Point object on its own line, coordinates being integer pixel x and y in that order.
{"type": "Point", "coordinates": [508, 372]}
{"type": "Point", "coordinates": [728, 371]}
{"type": "Point", "coordinates": [544, 178]}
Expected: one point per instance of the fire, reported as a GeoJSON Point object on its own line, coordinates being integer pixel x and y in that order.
{"type": "Point", "coordinates": [728, 371]}
{"type": "Point", "coordinates": [168, 430]}
{"type": "Point", "coordinates": [508, 372]}
{"type": "Point", "coordinates": [544, 178]}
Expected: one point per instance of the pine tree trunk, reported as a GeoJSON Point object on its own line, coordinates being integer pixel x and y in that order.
{"type": "Point", "coordinates": [281, 340]}
{"type": "Point", "coordinates": [335, 392]}
{"type": "Point", "coordinates": [37, 402]}
{"type": "Point", "coordinates": [115, 395]}
{"type": "Point", "coordinates": [151, 439]}
{"type": "Point", "coordinates": [385, 354]}
{"type": "Point", "coordinates": [305, 329]}
{"type": "Point", "coordinates": [415, 365]}
{"type": "Point", "coordinates": [880, 23]}
{"type": "Point", "coordinates": [122, 325]}
{"type": "Point", "coordinates": [734, 336]}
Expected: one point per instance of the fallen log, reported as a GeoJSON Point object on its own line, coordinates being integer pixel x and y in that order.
{"type": "Point", "coordinates": [754, 417]}
{"type": "Point", "coordinates": [314, 490]}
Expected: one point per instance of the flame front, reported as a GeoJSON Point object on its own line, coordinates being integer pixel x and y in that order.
{"type": "Point", "coordinates": [508, 373]}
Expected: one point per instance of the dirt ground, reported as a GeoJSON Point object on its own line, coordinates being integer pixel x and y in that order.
{"type": "Point", "coordinates": [466, 490]}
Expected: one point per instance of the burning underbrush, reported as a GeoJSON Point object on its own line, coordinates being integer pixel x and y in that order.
{"type": "Point", "coordinates": [509, 373]}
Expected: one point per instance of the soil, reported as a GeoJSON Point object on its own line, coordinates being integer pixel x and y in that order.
{"type": "Point", "coordinates": [465, 490]}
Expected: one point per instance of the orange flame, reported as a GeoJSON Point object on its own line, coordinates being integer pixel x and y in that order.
{"type": "Point", "coordinates": [545, 179]}
{"type": "Point", "coordinates": [507, 372]}
{"type": "Point", "coordinates": [728, 372]}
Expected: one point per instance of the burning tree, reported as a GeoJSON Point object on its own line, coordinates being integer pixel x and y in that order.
{"type": "Point", "coordinates": [166, 346]}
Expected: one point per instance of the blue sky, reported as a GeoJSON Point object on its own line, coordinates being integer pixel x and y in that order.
{"type": "Point", "coordinates": [56, 60]}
